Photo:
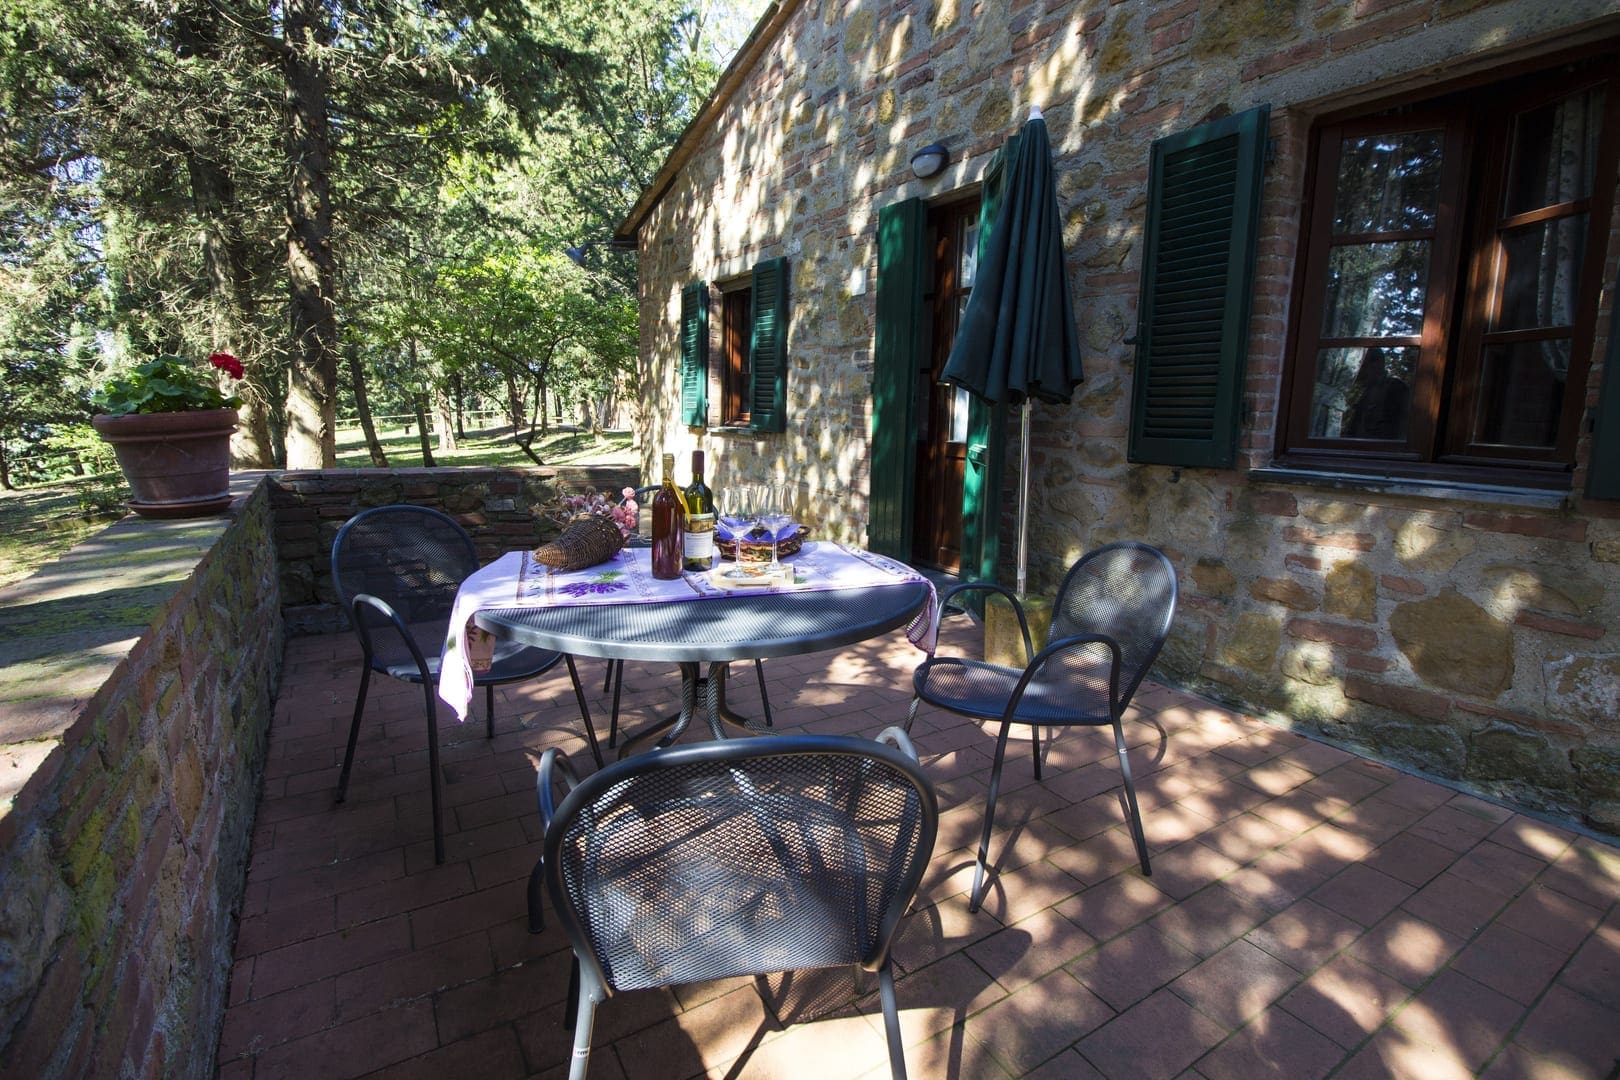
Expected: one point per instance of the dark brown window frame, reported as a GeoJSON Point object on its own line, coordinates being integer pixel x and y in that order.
{"type": "Point", "coordinates": [1453, 331]}
{"type": "Point", "coordinates": [735, 329]}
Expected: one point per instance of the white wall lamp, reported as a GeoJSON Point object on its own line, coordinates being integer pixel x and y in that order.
{"type": "Point", "coordinates": [930, 161]}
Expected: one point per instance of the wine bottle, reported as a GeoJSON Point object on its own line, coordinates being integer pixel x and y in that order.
{"type": "Point", "coordinates": [699, 548]}
{"type": "Point", "coordinates": [667, 525]}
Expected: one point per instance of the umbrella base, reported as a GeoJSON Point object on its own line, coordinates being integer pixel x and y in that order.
{"type": "Point", "coordinates": [1003, 644]}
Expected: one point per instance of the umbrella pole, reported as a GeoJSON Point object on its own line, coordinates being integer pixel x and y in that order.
{"type": "Point", "coordinates": [1023, 501]}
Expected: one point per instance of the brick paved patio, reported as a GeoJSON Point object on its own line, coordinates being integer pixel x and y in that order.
{"type": "Point", "coordinates": [1310, 913]}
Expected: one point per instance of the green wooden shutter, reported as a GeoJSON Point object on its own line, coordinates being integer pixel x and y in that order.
{"type": "Point", "coordinates": [1192, 332]}
{"type": "Point", "coordinates": [1603, 473]}
{"type": "Point", "coordinates": [896, 356]}
{"type": "Point", "coordinates": [767, 398]}
{"type": "Point", "coordinates": [695, 354]}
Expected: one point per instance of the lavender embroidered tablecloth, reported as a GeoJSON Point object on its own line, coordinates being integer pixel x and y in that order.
{"type": "Point", "coordinates": [516, 579]}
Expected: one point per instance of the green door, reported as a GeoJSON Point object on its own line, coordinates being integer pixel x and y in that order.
{"type": "Point", "coordinates": [905, 337]}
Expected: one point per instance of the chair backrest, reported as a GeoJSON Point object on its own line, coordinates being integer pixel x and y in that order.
{"type": "Point", "coordinates": [740, 857]}
{"type": "Point", "coordinates": [412, 557]}
{"type": "Point", "coordinates": [1126, 590]}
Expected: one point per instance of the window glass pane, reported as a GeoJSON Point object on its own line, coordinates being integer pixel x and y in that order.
{"type": "Point", "coordinates": [1554, 155]}
{"type": "Point", "coordinates": [1522, 393]}
{"type": "Point", "coordinates": [970, 255]}
{"type": "Point", "coordinates": [1362, 393]}
{"type": "Point", "coordinates": [1541, 269]}
{"type": "Point", "coordinates": [1388, 183]}
{"type": "Point", "coordinates": [1376, 290]}
{"type": "Point", "coordinates": [959, 415]}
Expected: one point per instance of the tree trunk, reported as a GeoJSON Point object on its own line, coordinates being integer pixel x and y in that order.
{"type": "Point", "coordinates": [514, 404]}
{"type": "Point", "coordinates": [362, 405]}
{"type": "Point", "coordinates": [447, 420]}
{"type": "Point", "coordinates": [226, 254]}
{"type": "Point", "coordinates": [5, 468]}
{"type": "Point", "coordinates": [419, 401]}
{"type": "Point", "coordinates": [460, 404]}
{"type": "Point", "coordinates": [312, 377]}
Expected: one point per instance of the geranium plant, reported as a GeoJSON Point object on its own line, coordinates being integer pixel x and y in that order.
{"type": "Point", "coordinates": [169, 384]}
{"type": "Point", "coordinates": [625, 513]}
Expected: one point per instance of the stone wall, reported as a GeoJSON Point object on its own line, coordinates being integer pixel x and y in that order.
{"type": "Point", "coordinates": [1472, 633]}
{"type": "Point", "coordinates": [500, 507]}
{"type": "Point", "coordinates": [136, 681]}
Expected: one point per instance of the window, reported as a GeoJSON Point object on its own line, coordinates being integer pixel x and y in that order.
{"type": "Point", "coordinates": [736, 371]}
{"type": "Point", "coordinates": [753, 340]}
{"type": "Point", "coordinates": [1449, 282]}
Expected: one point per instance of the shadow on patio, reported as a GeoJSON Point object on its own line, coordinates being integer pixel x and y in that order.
{"type": "Point", "coordinates": [1309, 911]}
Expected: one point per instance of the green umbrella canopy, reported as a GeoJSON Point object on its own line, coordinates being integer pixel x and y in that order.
{"type": "Point", "coordinates": [1017, 338]}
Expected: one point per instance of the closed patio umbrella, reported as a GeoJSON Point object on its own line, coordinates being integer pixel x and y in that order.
{"type": "Point", "coordinates": [1017, 339]}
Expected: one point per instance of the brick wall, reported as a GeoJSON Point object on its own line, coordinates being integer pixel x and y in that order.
{"type": "Point", "coordinates": [136, 681]}
{"type": "Point", "coordinates": [1453, 631]}
{"type": "Point", "coordinates": [501, 508]}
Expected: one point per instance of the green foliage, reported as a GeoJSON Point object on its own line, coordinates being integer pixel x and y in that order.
{"type": "Point", "coordinates": [152, 175]}
{"type": "Point", "coordinates": [167, 384]}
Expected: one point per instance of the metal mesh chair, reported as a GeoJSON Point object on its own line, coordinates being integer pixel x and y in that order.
{"type": "Point", "coordinates": [742, 857]}
{"type": "Point", "coordinates": [396, 570]}
{"type": "Point", "coordinates": [1109, 621]}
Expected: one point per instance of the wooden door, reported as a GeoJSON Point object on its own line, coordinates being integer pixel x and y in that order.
{"type": "Point", "coordinates": [942, 409]}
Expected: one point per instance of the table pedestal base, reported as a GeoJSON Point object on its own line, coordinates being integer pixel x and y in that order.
{"type": "Point", "coordinates": [719, 716]}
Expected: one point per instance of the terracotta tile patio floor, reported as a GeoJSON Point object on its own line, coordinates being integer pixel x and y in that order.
{"type": "Point", "coordinates": [1310, 913]}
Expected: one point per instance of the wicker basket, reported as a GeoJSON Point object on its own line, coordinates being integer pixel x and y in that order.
{"type": "Point", "coordinates": [760, 551]}
{"type": "Point", "coordinates": [585, 541]}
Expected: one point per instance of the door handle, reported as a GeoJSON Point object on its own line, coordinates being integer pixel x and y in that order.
{"type": "Point", "coordinates": [977, 453]}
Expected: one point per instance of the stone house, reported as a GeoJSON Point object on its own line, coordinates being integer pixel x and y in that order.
{"type": "Point", "coordinates": [1344, 276]}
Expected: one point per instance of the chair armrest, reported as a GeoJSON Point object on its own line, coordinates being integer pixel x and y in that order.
{"type": "Point", "coordinates": [1058, 648]}
{"type": "Point", "coordinates": [899, 740]}
{"type": "Point", "coordinates": [400, 628]}
{"type": "Point", "coordinates": [1012, 598]}
{"type": "Point", "coordinates": [554, 766]}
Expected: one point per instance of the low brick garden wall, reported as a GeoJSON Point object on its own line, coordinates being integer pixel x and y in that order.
{"type": "Point", "coordinates": [131, 746]}
{"type": "Point", "coordinates": [501, 508]}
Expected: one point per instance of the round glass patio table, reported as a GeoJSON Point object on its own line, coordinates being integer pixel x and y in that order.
{"type": "Point", "coordinates": [743, 626]}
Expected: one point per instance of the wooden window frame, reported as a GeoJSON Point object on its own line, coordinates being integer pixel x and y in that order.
{"type": "Point", "coordinates": [1478, 124]}
{"type": "Point", "coordinates": [736, 327]}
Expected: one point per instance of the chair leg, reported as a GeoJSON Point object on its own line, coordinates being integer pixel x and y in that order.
{"type": "Point", "coordinates": [764, 698]}
{"type": "Point", "coordinates": [977, 896]}
{"type": "Point", "coordinates": [433, 769]}
{"type": "Point", "coordinates": [1130, 800]}
{"type": "Point", "coordinates": [489, 711]}
{"type": "Point", "coordinates": [891, 1020]}
{"type": "Point", "coordinates": [354, 733]}
{"type": "Point", "coordinates": [616, 677]}
{"type": "Point", "coordinates": [537, 913]}
{"type": "Point", "coordinates": [1035, 745]}
{"type": "Point", "coordinates": [585, 1007]}
{"type": "Point", "coordinates": [584, 709]}
{"type": "Point", "coordinates": [911, 713]}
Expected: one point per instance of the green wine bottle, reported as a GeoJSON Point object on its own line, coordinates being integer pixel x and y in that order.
{"type": "Point", "coordinates": [699, 548]}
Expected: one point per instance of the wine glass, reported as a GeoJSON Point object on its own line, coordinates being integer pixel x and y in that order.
{"type": "Point", "coordinates": [776, 516]}
{"type": "Point", "coordinates": [737, 512]}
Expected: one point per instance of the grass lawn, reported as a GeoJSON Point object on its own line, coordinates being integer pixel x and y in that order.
{"type": "Point", "coordinates": [492, 446]}
{"type": "Point", "coordinates": [38, 524]}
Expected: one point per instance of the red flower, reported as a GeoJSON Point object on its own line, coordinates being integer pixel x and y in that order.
{"type": "Point", "coordinates": [227, 363]}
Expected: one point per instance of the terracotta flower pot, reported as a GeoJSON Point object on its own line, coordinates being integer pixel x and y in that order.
{"type": "Point", "coordinates": [178, 464]}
